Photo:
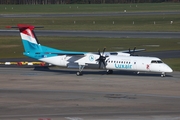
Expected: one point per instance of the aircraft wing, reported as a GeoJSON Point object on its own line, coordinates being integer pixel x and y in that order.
{"type": "Point", "coordinates": [72, 53]}
{"type": "Point", "coordinates": [129, 51]}
{"type": "Point", "coordinates": [123, 53]}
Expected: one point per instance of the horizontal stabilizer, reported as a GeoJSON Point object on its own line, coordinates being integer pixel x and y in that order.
{"type": "Point", "coordinates": [24, 26]}
{"type": "Point", "coordinates": [69, 53]}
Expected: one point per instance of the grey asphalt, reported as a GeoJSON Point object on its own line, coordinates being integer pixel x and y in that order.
{"type": "Point", "coordinates": [121, 13]}
{"type": "Point", "coordinates": [58, 94]}
{"type": "Point", "coordinates": [161, 54]}
{"type": "Point", "coordinates": [105, 34]}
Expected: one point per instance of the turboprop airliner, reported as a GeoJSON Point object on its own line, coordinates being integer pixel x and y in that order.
{"type": "Point", "coordinates": [122, 60]}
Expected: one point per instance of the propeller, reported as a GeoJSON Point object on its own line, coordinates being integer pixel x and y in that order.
{"type": "Point", "coordinates": [132, 51]}
{"type": "Point", "coordinates": [101, 58]}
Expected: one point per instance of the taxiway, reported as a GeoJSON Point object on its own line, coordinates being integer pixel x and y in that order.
{"type": "Point", "coordinates": [87, 14]}
{"type": "Point", "coordinates": [103, 34]}
{"type": "Point", "coordinates": [59, 94]}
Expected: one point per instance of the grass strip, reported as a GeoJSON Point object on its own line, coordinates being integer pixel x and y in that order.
{"type": "Point", "coordinates": [114, 23]}
{"type": "Point", "coordinates": [88, 8]}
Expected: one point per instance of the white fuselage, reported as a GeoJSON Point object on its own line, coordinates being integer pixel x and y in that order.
{"type": "Point", "coordinates": [113, 62]}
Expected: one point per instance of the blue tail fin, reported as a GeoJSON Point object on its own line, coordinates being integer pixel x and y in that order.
{"type": "Point", "coordinates": [29, 39]}
{"type": "Point", "coordinates": [34, 49]}
{"type": "Point", "coordinates": [30, 42]}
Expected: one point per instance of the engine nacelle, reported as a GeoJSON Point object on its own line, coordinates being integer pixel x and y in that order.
{"type": "Point", "coordinates": [123, 54]}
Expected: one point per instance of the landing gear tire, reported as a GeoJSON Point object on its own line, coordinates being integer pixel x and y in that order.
{"type": "Point", "coordinates": [109, 71]}
{"type": "Point", "coordinates": [79, 74]}
{"type": "Point", "coordinates": [163, 75]}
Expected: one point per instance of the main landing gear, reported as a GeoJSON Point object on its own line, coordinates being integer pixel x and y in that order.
{"type": "Point", "coordinates": [109, 71]}
{"type": "Point", "coordinates": [79, 73]}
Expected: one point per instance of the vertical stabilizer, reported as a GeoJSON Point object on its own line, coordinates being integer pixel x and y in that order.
{"type": "Point", "coordinates": [29, 39]}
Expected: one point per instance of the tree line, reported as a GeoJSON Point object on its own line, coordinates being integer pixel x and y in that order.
{"type": "Point", "coordinates": [81, 1]}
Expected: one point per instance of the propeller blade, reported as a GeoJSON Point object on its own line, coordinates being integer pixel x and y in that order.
{"type": "Point", "coordinates": [99, 52]}
{"type": "Point", "coordinates": [104, 63]}
{"type": "Point", "coordinates": [99, 64]}
{"type": "Point", "coordinates": [102, 58]}
{"type": "Point", "coordinates": [131, 52]}
{"type": "Point", "coordinates": [134, 50]}
{"type": "Point", "coordinates": [104, 50]}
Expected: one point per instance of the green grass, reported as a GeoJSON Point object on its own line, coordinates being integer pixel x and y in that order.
{"type": "Point", "coordinates": [12, 46]}
{"type": "Point", "coordinates": [88, 8]}
{"type": "Point", "coordinates": [123, 23]}
{"type": "Point", "coordinates": [112, 44]}
{"type": "Point", "coordinates": [174, 63]}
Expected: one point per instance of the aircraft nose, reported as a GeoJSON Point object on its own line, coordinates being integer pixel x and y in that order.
{"type": "Point", "coordinates": [167, 68]}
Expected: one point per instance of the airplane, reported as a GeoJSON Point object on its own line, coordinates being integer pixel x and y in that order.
{"type": "Point", "coordinates": [121, 60]}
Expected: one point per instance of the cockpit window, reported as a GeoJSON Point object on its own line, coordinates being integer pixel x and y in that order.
{"type": "Point", "coordinates": [153, 61]}
{"type": "Point", "coordinates": [159, 61]}
{"type": "Point", "coordinates": [156, 61]}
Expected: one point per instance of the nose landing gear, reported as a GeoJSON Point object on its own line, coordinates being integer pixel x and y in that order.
{"type": "Point", "coordinates": [163, 74]}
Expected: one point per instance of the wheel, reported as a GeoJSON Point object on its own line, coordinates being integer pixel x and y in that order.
{"type": "Point", "coordinates": [163, 75]}
{"type": "Point", "coordinates": [79, 73]}
{"type": "Point", "coordinates": [109, 71]}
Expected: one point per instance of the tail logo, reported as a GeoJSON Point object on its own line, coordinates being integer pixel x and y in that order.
{"type": "Point", "coordinates": [28, 35]}
{"type": "Point", "coordinates": [28, 32]}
